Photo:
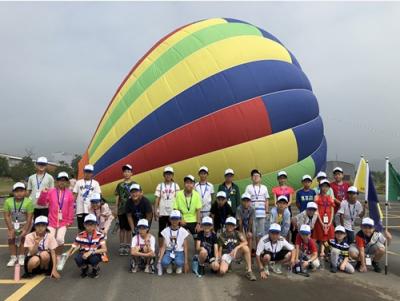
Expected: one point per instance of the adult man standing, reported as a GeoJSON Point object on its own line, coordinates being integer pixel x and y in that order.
{"type": "Point", "coordinates": [38, 182]}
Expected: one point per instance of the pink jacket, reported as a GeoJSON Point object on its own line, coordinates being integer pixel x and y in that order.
{"type": "Point", "coordinates": [67, 210]}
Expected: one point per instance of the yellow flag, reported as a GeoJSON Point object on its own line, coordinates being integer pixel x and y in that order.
{"type": "Point", "coordinates": [361, 175]}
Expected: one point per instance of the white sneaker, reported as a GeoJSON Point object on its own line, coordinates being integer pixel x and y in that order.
{"type": "Point", "coordinates": [147, 269]}
{"type": "Point", "coordinates": [277, 268]}
{"type": "Point", "coordinates": [21, 260]}
{"type": "Point", "coordinates": [12, 261]}
{"type": "Point", "coordinates": [169, 269]}
{"type": "Point", "coordinates": [178, 270]}
{"type": "Point", "coordinates": [266, 269]}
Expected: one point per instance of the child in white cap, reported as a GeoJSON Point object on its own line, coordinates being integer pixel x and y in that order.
{"type": "Point", "coordinates": [206, 191]}
{"type": "Point", "coordinates": [207, 246]}
{"type": "Point", "coordinates": [143, 248]}
{"type": "Point", "coordinates": [220, 211]}
{"type": "Point", "coordinates": [306, 251]}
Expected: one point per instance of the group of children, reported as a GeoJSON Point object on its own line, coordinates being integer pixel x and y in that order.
{"type": "Point", "coordinates": [226, 226]}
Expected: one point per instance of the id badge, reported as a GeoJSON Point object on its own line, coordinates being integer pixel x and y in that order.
{"type": "Point", "coordinates": [326, 219]}
{"type": "Point", "coordinates": [16, 226]}
{"type": "Point", "coordinates": [60, 217]}
{"type": "Point", "coordinates": [172, 255]}
{"type": "Point", "coordinates": [37, 194]}
{"type": "Point", "coordinates": [368, 261]}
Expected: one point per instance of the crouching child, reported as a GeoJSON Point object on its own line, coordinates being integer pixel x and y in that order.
{"type": "Point", "coordinates": [143, 248]}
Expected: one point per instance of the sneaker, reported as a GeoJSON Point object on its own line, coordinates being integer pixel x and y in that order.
{"type": "Point", "coordinates": [147, 269]}
{"type": "Point", "coordinates": [12, 261]}
{"type": "Point", "coordinates": [376, 267]}
{"type": "Point", "coordinates": [27, 275]}
{"type": "Point", "coordinates": [134, 266]}
{"type": "Point", "coordinates": [121, 250]}
{"type": "Point", "coordinates": [178, 270]}
{"type": "Point", "coordinates": [21, 260]}
{"type": "Point", "coordinates": [169, 269]}
{"type": "Point", "coordinates": [277, 268]}
{"type": "Point", "coordinates": [250, 275]}
{"type": "Point", "coordinates": [84, 272]}
{"type": "Point", "coordinates": [334, 269]}
{"type": "Point", "coordinates": [95, 273]}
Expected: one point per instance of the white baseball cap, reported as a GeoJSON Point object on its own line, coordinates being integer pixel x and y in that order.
{"type": "Point", "coordinates": [221, 194]}
{"type": "Point", "coordinates": [143, 223]}
{"type": "Point", "coordinates": [366, 221]}
{"type": "Point", "coordinates": [207, 220]}
{"type": "Point", "coordinates": [95, 197]}
{"type": "Point", "coordinates": [275, 228]}
{"type": "Point", "coordinates": [41, 220]}
{"type": "Point", "coordinates": [41, 160]}
{"type": "Point", "coordinates": [89, 168]}
{"type": "Point", "coordinates": [305, 229]}
{"type": "Point", "coordinates": [340, 229]}
{"type": "Point", "coordinates": [352, 189]}
{"type": "Point", "coordinates": [90, 218]}
{"type": "Point", "coordinates": [321, 174]}
{"type": "Point", "coordinates": [18, 185]}
{"type": "Point", "coordinates": [246, 196]}
{"type": "Point", "coordinates": [188, 177]}
{"type": "Point", "coordinates": [135, 187]}
{"type": "Point", "coordinates": [229, 171]}
{"type": "Point", "coordinates": [312, 205]}
{"type": "Point", "coordinates": [324, 181]}
{"type": "Point", "coordinates": [127, 166]}
{"type": "Point", "coordinates": [282, 173]}
{"type": "Point", "coordinates": [175, 214]}
{"type": "Point", "coordinates": [306, 177]}
{"type": "Point", "coordinates": [337, 168]}
{"type": "Point", "coordinates": [203, 168]}
{"type": "Point", "coordinates": [62, 174]}
{"type": "Point", "coordinates": [282, 198]}
{"type": "Point", "coordinates": [230, 221]}
{"type": "Point", "coordinates": [168, 169]}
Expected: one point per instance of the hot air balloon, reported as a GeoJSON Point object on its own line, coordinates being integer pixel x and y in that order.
{"type": "Point", "coordinates": [218, 92]}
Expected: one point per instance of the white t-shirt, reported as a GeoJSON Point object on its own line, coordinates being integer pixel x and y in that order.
{"type": "Point", "coordinates": [85, 189]}
{"type": "Point", "coordinates": [266, 245]}
{"type": "Point", "coordinates": [259, 195]}
{"type": "Point", "coordinates": [167, 194]}
{"type": "Point", "coordinates": [138, 241]}
{"type": "Point", "coordinates": [350, 213]}
{"type": "Point", "coordinates": [36, 184]}
{"type": "Point", "coordinates": [205, 190]}
{"type": "Point", "coordinates": [174, 239]}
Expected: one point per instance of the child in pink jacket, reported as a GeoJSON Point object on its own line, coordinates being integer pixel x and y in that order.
{"type": "Point", "coordinates": [61, 208]}
{"type": "Point", "coordinates": [102, 212]}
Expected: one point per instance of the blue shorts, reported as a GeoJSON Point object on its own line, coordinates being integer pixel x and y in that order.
{"type": "Point", "coordinates": [179, 259]}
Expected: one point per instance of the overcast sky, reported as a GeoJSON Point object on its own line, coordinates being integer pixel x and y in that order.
{"type": "Point", "coordinates": [60, 64]}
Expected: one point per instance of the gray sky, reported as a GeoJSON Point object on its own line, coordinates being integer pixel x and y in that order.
{"type": "Point", "coordinates": [60, 64]}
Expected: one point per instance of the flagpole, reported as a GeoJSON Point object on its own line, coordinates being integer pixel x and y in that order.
{"type": "Point", "coordinates": [366, 187]}
{"type": "Point", "coordinates": [386, 211]}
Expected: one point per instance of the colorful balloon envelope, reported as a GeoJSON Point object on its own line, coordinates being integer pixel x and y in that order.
{"type": "Point", "coordinates": [219, 92]}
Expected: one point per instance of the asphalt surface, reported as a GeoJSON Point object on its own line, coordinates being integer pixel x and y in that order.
{"type": "Point", "coordinates": [117, 283]}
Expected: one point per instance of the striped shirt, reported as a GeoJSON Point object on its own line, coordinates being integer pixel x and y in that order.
{"type": "Point", "coordinates": [87, 242]}
{"type": "Point", "coordinates": [343, 247]}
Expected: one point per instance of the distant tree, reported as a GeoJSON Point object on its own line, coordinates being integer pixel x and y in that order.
{"type": "Point", "coordinates": [4, 167]}
{"type": "Point", "coordinates": [75, 164]}
{"type": "Point", "coordinates": [23, 169]}
{"type": "Point", "coordinates": [63, 166]}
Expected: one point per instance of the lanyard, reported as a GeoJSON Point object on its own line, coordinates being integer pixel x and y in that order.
{"type": "Point", "coordinates": [98, 217]}
{"type": "Point", "coordinates": [228, 190]}
{"type": "Point", "coordinates": [190, 204]}
{"type": "Point", "coordinates": [257, 194]}
{"type": "Point", "coordinates": [352, 214]}
{"type": "Point", "coordinates": [126, 185]}
{"type": "Point", "coordinates": [203, 194]}
{"type": "Point", "coordinates": [60, 204]}
{"type": "Point", "coordinates": [168, 190]}
{"type": "Point", "coordinates": [39, 183]}
{"type": "Point", "coordinates": [87, 187]}
{"type": "Point", "coordinates": [41, 244]}
{"type": "Point", "coordinates": [310, 220]}
{"type": "Point", "coordinates": [19, 209]}
{"type": "Point", "coordinates": [274, 250]}
{"type": "Point", "coordinates": [176, 239]}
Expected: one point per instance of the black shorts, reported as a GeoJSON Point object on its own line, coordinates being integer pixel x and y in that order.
{"type": "Point", "coordinates": [191, 227]}
{"type": "Point", "coordinates": [38, 270]}
{"type": "Point", "coordinates": [163, 222]}
{"type": "Point", "coordinates": [276, 256]}
{"type": "Point", "coordinates": [80, 218]}
{"type": "Point", "coordinates": [123, 222]}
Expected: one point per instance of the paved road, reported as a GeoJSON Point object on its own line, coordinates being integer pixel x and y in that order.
{"type": "Point", "coordinates": [116, 283]}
